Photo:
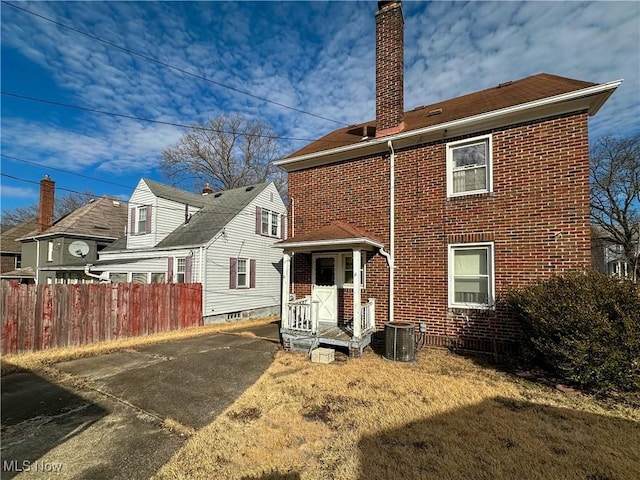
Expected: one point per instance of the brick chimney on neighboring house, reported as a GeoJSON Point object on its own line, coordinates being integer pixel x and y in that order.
{"type": "Point", "coordinates": [389, 68]}
{"type": "Point", "coordinates": [45, 208]}
{"type": "Point", "coordinates": [207, 190]}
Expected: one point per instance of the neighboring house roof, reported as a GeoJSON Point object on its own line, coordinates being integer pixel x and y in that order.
{"type": "Point", "coordinates": [216, 210]}
{"type": "Point", "coordinates": [499, 99]}
{"type": "Point", "coordinates": [336, 233]}
{"type": "Point", "coordinates": [26, 272]}
{"type": "Point", "coordinates": [175, 194]}
{"type": "Point", "coordinates": [219, 208]}
{"type": "Point", "coordinates": [10, 234]}
{"type": "Point", "coordinates": [104, 217]}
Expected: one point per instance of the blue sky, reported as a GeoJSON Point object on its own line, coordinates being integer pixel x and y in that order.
{"type": "Point", "coordinates": [314, 56]}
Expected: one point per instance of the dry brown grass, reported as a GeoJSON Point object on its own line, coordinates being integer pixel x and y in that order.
{"type": "Point", "coordinates": [41, 360]}
{"type": "Point", "coordinates": [441, 417]}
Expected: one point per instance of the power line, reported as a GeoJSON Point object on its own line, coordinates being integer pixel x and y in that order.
{"type": "Point", "coordinates": [132, 117]}
{"type": "Point", "coordinates": [164, 64]}
{"type": "Point", "coordinates": [66, 171]}
{"type": "Point", "coordinates": [220, 209]}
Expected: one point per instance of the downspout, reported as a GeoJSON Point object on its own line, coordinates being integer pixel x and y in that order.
{"type": "Point", "coordinates": [293, 234]}
{"type": "Point", "coordinates": [37, 274]}
{"type": "Point", "coordinates": [390, 255]}
{"type": "Point", "coordinates": [203, 277]}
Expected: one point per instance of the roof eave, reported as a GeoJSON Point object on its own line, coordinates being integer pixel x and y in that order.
{"type": "Point", "coordinates": [316, 245]}
{"type": "Point", "coordinates": [63, 233]}
{"type": "Point", "coordinates": [590, 99]}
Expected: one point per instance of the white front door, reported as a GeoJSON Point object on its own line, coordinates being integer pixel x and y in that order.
{"type": "Point", "coordinates": [325, 290]}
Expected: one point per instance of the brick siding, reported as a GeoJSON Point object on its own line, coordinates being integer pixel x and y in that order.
{"type": "Point", "coordinates": [389, 68]}
{"type": "Point", "coordinates": [537, 217]}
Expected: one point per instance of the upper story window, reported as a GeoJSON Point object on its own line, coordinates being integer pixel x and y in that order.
{"type": "Point", "coordinates": [18, 261]}
{"type": "Point", "coordinates": [142, 219]}
{"type": "Point", "coordinates": [469, 166]}
{"type": "Point", "coordinates": [471, 276]}
{"type": "Point", "coordinates": [269, 223]}
{"type": "Point", "coordinates": [50, 251]}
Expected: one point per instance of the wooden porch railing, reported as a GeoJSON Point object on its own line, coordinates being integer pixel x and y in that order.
{"type": "Point", "coordinates": [302, 316]}
{"type": "Point", "coordinates": [367, 318]}
{"type": "Point", "coordinates": [369, 315]}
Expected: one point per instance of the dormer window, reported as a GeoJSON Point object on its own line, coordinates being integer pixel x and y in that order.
{"type": "Point", "coordinates": [142, 219]}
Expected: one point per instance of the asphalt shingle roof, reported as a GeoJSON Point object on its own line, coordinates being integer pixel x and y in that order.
{"type": "Point", "coordinates": [10, 234]}
{"type": "Point", "coordinates": [508, 94]}
{"type": "Point", "coordinates": [175, 194]}
{"type": "Point", "coordinates": [104, 217]}
{"type": "Point", "coordinates": [218, 210]}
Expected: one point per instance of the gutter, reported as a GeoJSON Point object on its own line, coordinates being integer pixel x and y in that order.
{"type": "Point", "coordinates": [88, 273]}
{"type": "Point", "coordinates": [606, 88]}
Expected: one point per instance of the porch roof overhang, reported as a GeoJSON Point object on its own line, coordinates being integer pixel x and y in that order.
{"type": "Point", "coordinates": [26, 272]}
{"type": "Point", "coordinates": [338, 235]}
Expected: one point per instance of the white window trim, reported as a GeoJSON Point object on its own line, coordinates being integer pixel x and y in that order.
{"type": "Point", "coordinates": [270, 216]}
{"type": "Point", "coordinates": [490, 246]}
{"type": "Point", "coordinates": [449, 159]}
{"type": "Point", "coordinates": [50, 251]}
{"type": "Point", "coordinates": [246, 273]}
{"type": "Point", "coordinates": [340, 263]}
{"type": "Point", "coordinates": [177, 269]}
{"type": "Point", "coordinates": [139, 211]}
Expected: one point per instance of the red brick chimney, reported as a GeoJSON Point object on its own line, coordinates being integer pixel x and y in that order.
{"type": "Point", "coordinates": [45, 209]}
{"type": "Point", "coordinates": [389, 68]}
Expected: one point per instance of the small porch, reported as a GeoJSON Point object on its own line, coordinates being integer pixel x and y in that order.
{"type": "Point", "coordinates": [301, 329]}
{"type": "Point", "coordinates": [332, 311]}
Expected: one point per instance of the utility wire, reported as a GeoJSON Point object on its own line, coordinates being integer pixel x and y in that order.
{"type": "Point", "coordinates": [132, 117]}
{"type": "Point", "coordinates": [164, 64]}
{"type": "Point", "coordinates": [219, 209]}
{"type": "Point", "coordinates": [69, 172]}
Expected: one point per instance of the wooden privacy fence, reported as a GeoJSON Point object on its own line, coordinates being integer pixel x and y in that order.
{"type": "Point", "coordinates": [48, 316]}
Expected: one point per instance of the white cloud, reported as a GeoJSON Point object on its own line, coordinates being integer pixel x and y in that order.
{"type": "Point", "coordinates": [318, 57]}
{"type": "Point", "coordinates": [18, 192]}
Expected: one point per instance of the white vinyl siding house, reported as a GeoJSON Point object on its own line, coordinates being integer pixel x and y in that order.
{"type": "Point", "coordinates": [263, 288]}
{"type": "Point", "coordinates": [212, 240]}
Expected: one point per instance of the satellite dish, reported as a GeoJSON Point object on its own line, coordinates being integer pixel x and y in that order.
{"type": "Point", "coordinates": [78, 248]}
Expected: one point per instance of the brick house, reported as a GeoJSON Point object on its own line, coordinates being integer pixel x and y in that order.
{"type": "Point", "coordinates": [443, 207]}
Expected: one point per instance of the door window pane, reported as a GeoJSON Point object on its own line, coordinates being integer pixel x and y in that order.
{"type": "Point", "coordinates": [325, 271]}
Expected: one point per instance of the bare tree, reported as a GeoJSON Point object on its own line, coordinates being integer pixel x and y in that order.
{"type": "Point", "coordinates": [63, 205]}
{"type": "Point", "coordinates": [615, 193]}
{"type": "Point", "coordinates": [226, 152]}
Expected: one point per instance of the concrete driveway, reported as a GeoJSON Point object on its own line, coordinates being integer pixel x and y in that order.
{"type": "Point", "coordinates": [113, 427]}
